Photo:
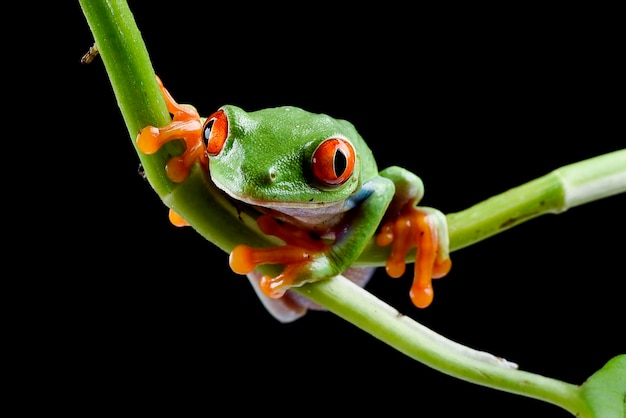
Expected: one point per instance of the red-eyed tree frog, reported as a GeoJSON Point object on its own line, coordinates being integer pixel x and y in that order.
{"type": "Point", "coordinates": [316, 186]}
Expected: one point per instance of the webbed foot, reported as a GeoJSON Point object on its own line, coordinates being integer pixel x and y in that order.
{"type": "Point", "coordinates": [301, 249]}
{"type": "Point", "coordinates": [426, 229]}
{"type": "Point", "coordinates": [186, 125]}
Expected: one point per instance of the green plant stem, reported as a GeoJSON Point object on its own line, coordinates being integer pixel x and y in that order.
{"type": "Point", "coordinates": [362, 309]}
{"type": "Point", "coordinates": [141, 103]}
{"type": "Point", "coordinates": [132, 76]}
{"type": "Point", "coordinates": [134, 84]}
{"type": "Point", "coordinates": [562, 189]}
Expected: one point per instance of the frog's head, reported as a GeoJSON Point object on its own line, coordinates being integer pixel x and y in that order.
{"type": "Point", "coordinates": [283, 157]}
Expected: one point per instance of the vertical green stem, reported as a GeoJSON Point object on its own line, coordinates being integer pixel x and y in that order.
{"type": "Point", "coordinates": [141, 102]}
{"type": "Point", "coordinates": [128, 65]}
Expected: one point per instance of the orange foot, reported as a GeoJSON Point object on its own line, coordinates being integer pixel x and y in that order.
{"type": "Point", "coordinates": [421, 228]}
{"type": "Point", "coordinates": [300, 250]}
{"type": "Point", "coordinates": [185, 125]}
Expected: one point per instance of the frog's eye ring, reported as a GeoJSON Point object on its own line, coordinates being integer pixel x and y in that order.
{"type": "Point", "coordinates": [333, 161]}
{"type": "Point", "coordinates": [215, 132]}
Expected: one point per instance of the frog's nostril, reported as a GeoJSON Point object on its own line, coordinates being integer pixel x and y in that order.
{"type": "Point", "coordinates": [271, 175]}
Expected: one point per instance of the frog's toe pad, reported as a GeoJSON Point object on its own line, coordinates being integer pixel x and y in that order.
{"type": "Point", "coordinates": [284, 309]}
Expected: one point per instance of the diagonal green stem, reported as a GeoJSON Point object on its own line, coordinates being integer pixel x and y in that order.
{"type": "Point", "coordinates": [361, 308]}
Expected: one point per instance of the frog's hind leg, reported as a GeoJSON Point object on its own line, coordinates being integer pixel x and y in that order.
{"type": "Point", "coordinates": [357, 275]}
{"type": "Point", "coordinates": [292, 305]}
{"type": "Point", "coordinates": [284, 309]}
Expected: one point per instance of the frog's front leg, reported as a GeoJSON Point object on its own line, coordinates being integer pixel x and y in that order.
{"type": "Point", "coordinates": [308, 258]}
{"type": "Point", "coordinates": [186, 125]}
{"type": "Point", "coordinates": [408, 226]}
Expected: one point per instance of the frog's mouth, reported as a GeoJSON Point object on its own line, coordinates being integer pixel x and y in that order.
{"type": "Point", "coordinates": [309, 213]}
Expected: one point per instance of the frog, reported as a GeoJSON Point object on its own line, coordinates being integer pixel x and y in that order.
{"type": "Point", "coordinates": [316, 187]}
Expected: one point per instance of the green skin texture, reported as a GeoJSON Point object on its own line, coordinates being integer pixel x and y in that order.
{"type": "Point", "coordinates": [266, 162]}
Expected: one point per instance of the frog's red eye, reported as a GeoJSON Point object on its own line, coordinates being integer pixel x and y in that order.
{"type": "Point", "coordinates": [333, 161]}
{"type": "Point", "coordinates": [215, 132]}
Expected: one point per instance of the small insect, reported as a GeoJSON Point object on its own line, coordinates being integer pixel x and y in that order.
{"type": "Point", "coordinates": [90, 55]}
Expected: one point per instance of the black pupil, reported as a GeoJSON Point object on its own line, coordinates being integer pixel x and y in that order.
{"type": "Point", "coordinates": [207, 131]}
{"type": "Point", "coordinates": [340, 163]}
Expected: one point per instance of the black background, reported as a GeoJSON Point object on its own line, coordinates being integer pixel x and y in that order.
{"type": "Point", "coordinates": [473, 101]}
